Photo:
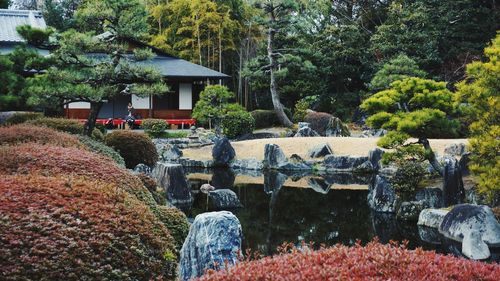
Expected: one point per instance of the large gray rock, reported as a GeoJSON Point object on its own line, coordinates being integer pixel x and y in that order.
{"type": "Point", "coordinates": [273, 156]}
{"type": "Point", "coordinates": [291, 166]}
{"type": "Point", "coordinates": [409, 211]}
{"type": "Point", "coordinates": [431, 197]}
{"type": "Point", "coordinates": [474, 247]}
{"type": "Point", "coordinates": [335, 128]}
{"type": "Point", "coordinates": [142, 168]}
{"type": "Point", "coordinates": [214, 241]}
{"type": "Point", "coordinates": [306, 132]}
{"type": "Point", "coordinates": [453, 186]}
{"type": "Point", "coordinates": [432, 217]}
{"type": "Point", "coordinates": [374, 156]}
{"type": "Point", "coordinates": [320, 151]}
{"type": "Point", "coordinates": [224, 199]}
{"type": "Point", "coordinates": [223, 152]}
{"type": "Point", "coordinates": [173, 181]}
{"type": "Point", "coordinates": [429, 234]}
{"type": "Point", "coordinates": [169, 152]}
{"type": "Point", "coordinates": [342, 163]}
{"type": "Point", "coordinates": [455, 149]}
{"type": "Point", "coordinates": [382, 197]}
{"type": "Point", "coordinates": [465, 218]}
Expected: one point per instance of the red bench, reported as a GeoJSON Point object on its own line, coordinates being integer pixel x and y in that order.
{"type": "Point", "coordinates": [119, 122]}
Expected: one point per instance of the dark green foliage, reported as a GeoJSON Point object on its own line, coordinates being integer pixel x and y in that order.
{"type": "Point", "coordinates": [265, 118]}
{"type": "Point", "coordinates": [102, 149]}
{"type": "Point", "coordinates": [176, 222]}
{"type": "Point", "coordinates": [35, 36]}
{"type": "Point", "coordinates": [396, 69]}
{"type": "Point", "coordinates": [237, 122]}
{"type": "Point", "coordinates": [8, 80]}
{"type": "Point", "coordinates": [135, 148]}
{"type": "Point", "coordinates": [60, 13]}
{"type": "Point", "coordinates": [22, 117]}
{"type": "Point", "coordinates": [408, 176]}
{"type": "Point", "coordinates": [154, 127]}
{"type": "Point", "coordinates": [212, 104]}
{"type": "Point", "coordinates": [4, 4]}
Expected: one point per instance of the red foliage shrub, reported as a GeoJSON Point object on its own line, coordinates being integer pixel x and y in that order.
{"type": "Point", "coordinates": [28, 133]}
{"type": "Point", "coordinates": [53, 160]}
{"type": "Point", "coordinates": [318, 121]}
{"type": "Point", "coordinates": [54, 228]}
{"type": "Point", "coordinates": [374, 261]}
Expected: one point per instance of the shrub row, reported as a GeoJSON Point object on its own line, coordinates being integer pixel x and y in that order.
{"type": "Point", "coordinates": [21, 117]}
{"type": "Point", "coordinates": [71, 126]}
{"type": "Point", "coordinates": [22, 133]}
{"type": "Point", "coordinates": [265, 118]}
{"type": "Point", "coordinates": [55, 228]}
{"type": "Point", "coordinates": [374, 261]}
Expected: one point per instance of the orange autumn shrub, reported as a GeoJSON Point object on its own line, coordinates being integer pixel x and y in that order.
{"type": "Point", "coordinates": [58, 228]}
{"type": "Point", "coordinates": [53, 160]}
{"type": "Point", "coordinates": [22, 133]}
{"type": "Point", "coordinates": [374, 261]}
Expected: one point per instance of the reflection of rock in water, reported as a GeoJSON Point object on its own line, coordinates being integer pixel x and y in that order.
{"type": "Point", "coordinates": [318, 185]}
{"type": "Point", "coordinates": [171, 178]}
{"type": "Point", "coordinates": [429, 234]}
{"type": "Point", "coordinates": [385, 226]}
{"type": "Point", "coordinates": [346, 178]}
{"type": "Point", "coordinates": [223, 178]}
{"type": "Point", "coordinates": [273, 180]}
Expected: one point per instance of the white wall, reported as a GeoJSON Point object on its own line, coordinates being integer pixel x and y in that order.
{"type": "Point", "coordinates": [185, 96]}
{"type": "Point", "coordinates": [140, 103]}
{"type": "Point", "coordinates": [79, 105]}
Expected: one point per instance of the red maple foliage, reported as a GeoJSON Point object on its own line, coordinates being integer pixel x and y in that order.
{"type": "Point", "coordinates": [374, 261]}
{"type": "Point", "coordinates": [22, 133]}
{"type": "Point", "coordinates": [55, 228]}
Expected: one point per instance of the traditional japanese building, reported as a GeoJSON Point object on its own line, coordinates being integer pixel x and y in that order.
{"type": "Point", "coordinates": [185, 79]}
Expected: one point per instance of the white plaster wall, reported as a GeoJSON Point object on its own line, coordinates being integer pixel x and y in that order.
{"type": "Point", "coordinates": [79, 105]}
{"type": "Point", "coordinates": [185, 96]}
{"type": "Point", "coordinates": [140, 103]}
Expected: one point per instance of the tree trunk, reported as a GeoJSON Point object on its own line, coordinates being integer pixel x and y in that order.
{"type": "Point", "coordinates": [431, 156]}
{"type": "Point", "coordinates": [278, 107]}
{"type": "Point", "coordinates": [95, 107]}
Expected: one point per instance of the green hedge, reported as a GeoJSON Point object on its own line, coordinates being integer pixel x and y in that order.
{"type": "Point", "coordinates": [22, 117]}
{"type": "Point", "coordinates": [265, 118]}
{"type": "Point", "coordinates": [237, 123]}
{"type": "Point", "coordinates": [154, 127]}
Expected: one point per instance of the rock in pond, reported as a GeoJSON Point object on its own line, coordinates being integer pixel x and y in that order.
{"type": "Point", "coordinates": [342, 163]}
{"type": "Point", "coordinates": [431, 197]}
{"type": "Point", "coordinates": [214, 241]}
{"type": "Point", "coordinates": [224, 199]}
{"type": "Point", "coordinates": [142, 168]}
{"type": "Point", "coordinates": [429, 234]}
{"type": "Point", "coordinates": [173, 181]}
{"type": "Point", "coordinates": [453, 186]}
{"type": "Point", "coordinates": [321, 150]}
{"type": "Point", "coordinates": [169, 152]}
{"type": "Point", "coordinates": [273, 156]}
{"type": "Point", "coordinates": [223, 152]}
{"type": "Point", "coordinates": [474, 247]}
{"type": "Point", "coordinates": [374, 156]}
{"type": "Point", "coordinates": [382, 197]}
{"type": "Point", "coordinates": [409, 211]}
{"type": "Point", "coordinates": [465, 218]}
{"type": "Point", "coordinates": [206, 188]}
{"type": "Point", "coordinates": [432, 217]}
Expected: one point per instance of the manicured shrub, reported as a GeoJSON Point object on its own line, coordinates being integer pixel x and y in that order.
{"type": "Point", "coordinates": [301, 108]}
{"type": "Point", "coordinates": [408, 176]}
{"type": "Point", "coordinates": [154, 127]}
{"type": "Point", "coordinates": [153, 188]}
{"type": "Point", "coordinates": [374, 261]}
{"type": "Point", "coordinates": [176, 222]}
{"type": "Point", "coordinates": [24, 133]}
{"type": "Point", "coordinates": [265, 118]}
{"type": "Point", "coordinates": [97, 135]}
{"type": "Point", "coordinates": [71, 126]}
{"type": "Point", "coordinates": [21, 117]}
{"type": "Point", "coordinates": [237, 123]}
{"type": "Point", "coordinates": [55, 228]}
{"type": "Point", "coordinates": [102, 149]}
{"type": "Point", "coordinates": [135, 148]}
{"type": "Point", "coordinates": [319, 121]}
{"type": "Point", "coordinates": [53, 160]}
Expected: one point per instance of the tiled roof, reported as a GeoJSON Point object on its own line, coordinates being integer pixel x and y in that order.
{"type": "Point", "coordinates": [10, 19]}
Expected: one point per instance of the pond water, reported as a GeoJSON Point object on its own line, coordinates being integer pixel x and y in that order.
{"type": "Point", "coordinates": [326, 209]}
